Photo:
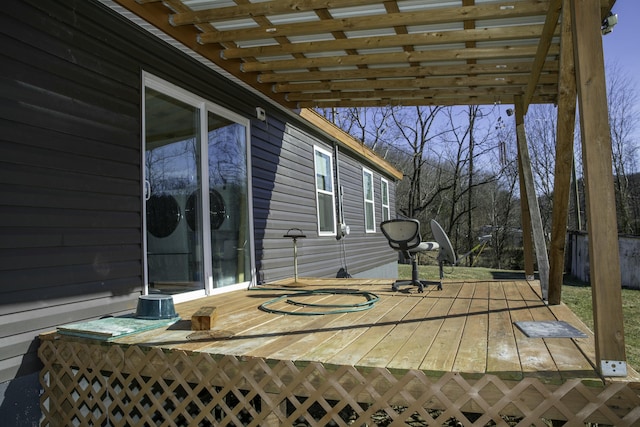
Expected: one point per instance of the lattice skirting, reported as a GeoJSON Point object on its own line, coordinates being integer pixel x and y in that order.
{"type": "Point", "coordinates": [112, 385]}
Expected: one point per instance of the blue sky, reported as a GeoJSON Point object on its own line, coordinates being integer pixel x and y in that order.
{"type": "Point", "coordinates": [622, 46]}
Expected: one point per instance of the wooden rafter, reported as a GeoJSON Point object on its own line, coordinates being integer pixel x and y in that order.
{"type": "Point", "coordinates": [406, 94]}
{"type": "Point", "coordinates": [514, 68]}
{"type": "Point", "coordinates": [424, 82]}
{"type": "Point", "coordinates": [480, 50]}
{"type": "Point", "coordinates": [523, 32]}
{"type": "Point", "coordinates": [417, 101]}
{"type": "Point", "coordinates": [549, 30]}
{"type": "Point", "coordinates": [507, 52]}
{"type": "Point", "coordinates": [430, 17]}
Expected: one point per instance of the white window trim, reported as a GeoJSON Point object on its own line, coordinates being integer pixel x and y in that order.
{"type": "Point", "coordinates": [386, 207]}
{"type": "Point", "coordinates": [368, 201]}
{"type": "Point", "coordinates": [317, 149]}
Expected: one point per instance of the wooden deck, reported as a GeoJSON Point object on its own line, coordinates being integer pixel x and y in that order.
{"type": "Point", "coordinates": [456, 351]}
{"type": "Point", "coordinates": [465, 328]}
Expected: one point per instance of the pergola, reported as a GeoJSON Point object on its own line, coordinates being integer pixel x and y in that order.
{"type": "Point", "coordinates": [366, 53]}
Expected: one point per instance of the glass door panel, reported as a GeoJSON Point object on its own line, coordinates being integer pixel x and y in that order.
{"type": "Point", "coordinates": [228, 213]}
{"type": "Point", "coordinates": [173, 206]}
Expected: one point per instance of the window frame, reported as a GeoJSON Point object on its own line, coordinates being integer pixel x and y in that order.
{"type": "Point", "coordinates": [366, 201]}
{"type": "Point", "coordinates": [205, 106]}
{"type": "Point", "coordinates": [384, 191]}
{"type": "Point", "coordinates": [318, 192]}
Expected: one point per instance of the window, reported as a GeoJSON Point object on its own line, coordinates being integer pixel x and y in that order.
{"type": "Point", "coordinates": [325, 200]}
{"type": "Point", "coordinates": [384, 189]}
{"type": "Point", "coordinates": [369, 206]}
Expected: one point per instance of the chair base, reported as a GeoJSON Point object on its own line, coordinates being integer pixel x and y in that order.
{"type": "Point", "coordinates": [415, 281]}
{"type": "Point", "coordinates": [420, 284]}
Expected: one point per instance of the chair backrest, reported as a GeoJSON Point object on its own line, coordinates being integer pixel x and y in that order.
{"type": "Point", "coordinates": [402, 234]}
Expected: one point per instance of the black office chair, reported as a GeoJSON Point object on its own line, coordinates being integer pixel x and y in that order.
{"type": "Point", "coordinates": [404, 236]}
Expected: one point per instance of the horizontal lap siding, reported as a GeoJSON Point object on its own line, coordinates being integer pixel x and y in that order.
{"type": "Point", "coordinates": [364, 250]}
{"type": "Point", "coordinates": [70, 189]}
{"type": "Point", "coordinates": [70, 156]}
{"type": "Point", "coordinates": [70, 206]}
{"type": "Point", "coordinates": [288, 201]}
{"type": "Point", "coordinates": [283, 195]}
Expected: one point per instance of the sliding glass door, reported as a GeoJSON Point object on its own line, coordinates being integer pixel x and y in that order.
{"type": "Point", "coordinates": [196, 193]}
{"type": "Point", "coordinates": [228, 197]}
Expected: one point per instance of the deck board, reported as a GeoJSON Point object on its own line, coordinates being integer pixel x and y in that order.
{"type": "Point", "coordinates": [442, 354]}
{"type": "Point", "coordinates": [465, 328]}
{"type": "Point", "coordinates": [502, 355]}
{"type": "Point", "coordinates": [568, 359]}
{"type": "Point", "coordinates": [535, 356]}
{"type": "Point", "coordinates": [298, 327]}
{"type": "Point", "coordinates": [472, 353]}
{"type": "Point", "coordinates": [390, 344]}
{"type": "Point", "coordinates": [412, 353]}
{"type": "Point", "coordinates": [354, 327]}
{"type": "Point", "coordinates": [355, 352]}
{"type": "Point", "coordinates": [262, 331]}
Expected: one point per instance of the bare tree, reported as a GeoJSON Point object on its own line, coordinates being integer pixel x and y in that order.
{"type": "Point", "coordinates": [623, 121]}
{"type": "Point", "coordinates": [503, 215]}
{"type": "Point", "coordinates": [464, 146]}
{"type": "Point", "coordinates": [368, 125]}
{"type": "Point", "coordinates": [415, 128]}
{"type": "Point", "coordinates": [622, 101]}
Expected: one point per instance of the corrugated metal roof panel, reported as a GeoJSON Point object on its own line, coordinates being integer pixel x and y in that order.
{"type": "Point", "coordinates": [276, 43]}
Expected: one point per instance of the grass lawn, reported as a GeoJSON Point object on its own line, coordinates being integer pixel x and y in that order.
{"type": "Point", "coordinates": [576, 295]}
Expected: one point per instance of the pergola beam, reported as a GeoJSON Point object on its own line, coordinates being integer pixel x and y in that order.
{"type": "Point", "coordinates": [405, 102]}
{"type": "Point", "coordinates": [496, 69]}
{"type": "Point", "coordinates": [417, 83]}
{"type": "Point", "coordinates": [428, 17]}
{"type": "Point", "coordinates": [391, 48]}
{"type": "Point", "coordinates": [437, 55]}
{"type": "Point", "coordinates": [550, 24]}
{"type": "Point", "coordinates": [522, 32]}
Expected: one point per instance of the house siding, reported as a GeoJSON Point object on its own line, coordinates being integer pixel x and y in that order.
{"type": "Point", "coordinates": [289, 201]}
{"type": "Point", "coordinates": [70, 206]}
{"type": "Point", "coordinates": [70, 172]}
{"type": "Point", "coordinates": [364, 249]}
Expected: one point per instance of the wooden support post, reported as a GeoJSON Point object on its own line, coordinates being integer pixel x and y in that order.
{"type": "Point", "coordinates": [567, 94]}
{"type": "Point", "coordinates": [604, 259]}
{"type": "Point", "coordinates": [532, 200]}
{"type": "Point", "coordinates": [527, 242]}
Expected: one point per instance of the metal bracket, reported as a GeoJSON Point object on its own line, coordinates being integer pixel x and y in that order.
{"type": "Point", "coordinates": [613, 368]}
